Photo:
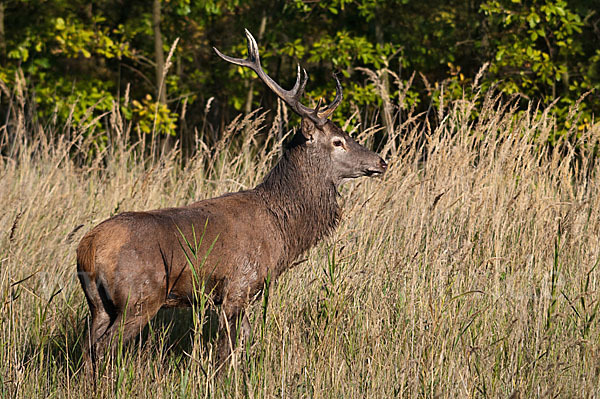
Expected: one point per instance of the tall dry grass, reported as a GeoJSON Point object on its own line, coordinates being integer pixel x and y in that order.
{"type": "Point", "coordinates": [469, 270]}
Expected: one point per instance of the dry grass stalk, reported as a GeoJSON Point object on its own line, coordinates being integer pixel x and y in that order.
{"type": "Point", "coordinates": [470, 270]}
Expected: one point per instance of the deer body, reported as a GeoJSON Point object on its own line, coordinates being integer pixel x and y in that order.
{"type": "Point", "coordinates": [133, 264]}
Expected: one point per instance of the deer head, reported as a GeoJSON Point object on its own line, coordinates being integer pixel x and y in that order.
{"type": "Point", "coordinates": [346, 159]}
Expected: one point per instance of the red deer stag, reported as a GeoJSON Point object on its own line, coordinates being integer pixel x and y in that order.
{"type": "Point", "coordinates": [133, 264]}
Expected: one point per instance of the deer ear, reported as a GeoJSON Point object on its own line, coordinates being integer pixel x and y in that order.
{"type": "Point", "coordinates": [308, 129]}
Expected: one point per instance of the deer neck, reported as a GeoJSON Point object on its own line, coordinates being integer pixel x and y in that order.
{"type": "Point", "coordinates": [301, 195]}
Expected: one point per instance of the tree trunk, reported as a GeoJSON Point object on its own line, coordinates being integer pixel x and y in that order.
{"type": "Point", "coordinates": [159, 56]}
{"type": "Point", "coordinates": [166, 141]}
{"type": "Point", "coordinates": [2, 42]}
{"type": "Point", "coordinates": [385, 90]}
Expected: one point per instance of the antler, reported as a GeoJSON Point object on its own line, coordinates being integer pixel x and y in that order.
{"type": "Point", "coordinates": [291, 97]}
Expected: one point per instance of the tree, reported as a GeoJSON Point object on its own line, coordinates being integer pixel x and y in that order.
{"type": "Point", "coordinates": [77, 54]}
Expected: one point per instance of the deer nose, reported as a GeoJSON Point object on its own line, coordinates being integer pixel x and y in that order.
{"type": "Point", "coordinates": [382, 164]}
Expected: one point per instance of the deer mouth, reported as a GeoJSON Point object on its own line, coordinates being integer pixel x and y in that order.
{"type": "Point", "coordinates": [373, 172]}
{"type": "Point", "coordinates": [377, 169]}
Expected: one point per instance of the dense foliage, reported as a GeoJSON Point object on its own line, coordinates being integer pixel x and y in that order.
{"type": "Point", "coordinates": [76, 54]}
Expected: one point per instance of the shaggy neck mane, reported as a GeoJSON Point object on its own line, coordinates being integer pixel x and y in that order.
{"type": "Point", "coordinates": [301, 194]}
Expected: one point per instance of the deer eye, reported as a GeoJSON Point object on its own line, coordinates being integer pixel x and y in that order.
{"type": "Point", "coordinates": [338, 143]}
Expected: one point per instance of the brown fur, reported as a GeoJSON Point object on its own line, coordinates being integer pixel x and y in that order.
{"type": "Point", "coordinates": [133, 264]}
{"type": "Point", "coordinates": [86, 252]}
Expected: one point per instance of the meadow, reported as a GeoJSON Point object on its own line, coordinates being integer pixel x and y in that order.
{"type": "Point", "coordinates": [470, 269]}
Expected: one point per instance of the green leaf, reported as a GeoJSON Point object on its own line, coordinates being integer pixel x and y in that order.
{"type": "Point", "coordinates": [499, 55]}
{"type": "Point", "coordinates": [59, 24]}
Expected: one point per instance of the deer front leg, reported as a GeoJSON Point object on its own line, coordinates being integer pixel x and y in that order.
{"type": "Point", "coordinates": [234, 330]}
{"type": "Point", "coordinates": [234, 326]}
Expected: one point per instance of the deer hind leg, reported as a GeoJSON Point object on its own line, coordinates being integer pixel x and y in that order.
{"type": "Point", "coordinates": [138, 316]}
{"type": "Point", "coordinates": [102, 337]}
{"type": "Point", "coordinates": [103, 314]}
{"type": "Point", "coordinates": [118, 330]}
{"type": "Point", "coordinates": [99, 324]}
{"type": "Point", "coordinates": [105, 319]}
{"type": "Point", "coordinates": [114, 322]}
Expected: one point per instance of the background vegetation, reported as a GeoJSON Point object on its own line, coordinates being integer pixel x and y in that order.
{"type": "Point", "coordinates": [74, 54]}
{"type": "Point", "coordinates": [469, 270]}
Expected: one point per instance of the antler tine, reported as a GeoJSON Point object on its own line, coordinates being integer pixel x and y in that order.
{"type": "Point", "coordinates": [291, 97]}
{"type": "Point", "coordinates": [236, 61]}
{"type": "Point", "coordinates": [327, 112]}
{"type": "Point", "coordinates": [300, 84]}
{"type": "Point", "coordinates": [252, 49]}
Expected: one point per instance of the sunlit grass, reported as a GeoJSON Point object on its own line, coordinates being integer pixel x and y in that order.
{"type": "Point", "coordinates": [469, 270]}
